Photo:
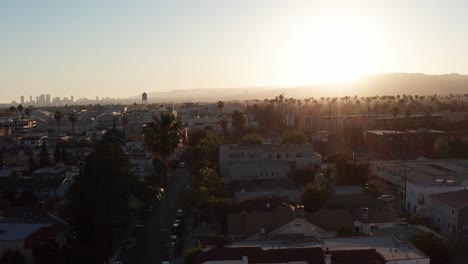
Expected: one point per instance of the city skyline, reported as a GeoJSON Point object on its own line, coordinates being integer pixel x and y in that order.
{"type": "Point", "coordinates": [114, 48]}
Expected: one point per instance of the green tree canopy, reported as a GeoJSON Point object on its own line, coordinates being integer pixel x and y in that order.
{"type": "Point", "coordinates": [293, 137]}
{"type": "Point", "coordinates": [238, 120]}
{"type": "Point", "coordinates": [252, 139]}
{"type": "Point", "coordinates": [345, 231]}
{"type": "Point", "coordinates": [313, 197]}
{"type": "Point", "coordinates": [163, 136]}
{"type": "Point", "coordinates": [101, 193]}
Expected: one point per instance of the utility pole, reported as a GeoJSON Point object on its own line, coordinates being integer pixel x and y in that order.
{"type": "Point", "coordinates": [404, 193]}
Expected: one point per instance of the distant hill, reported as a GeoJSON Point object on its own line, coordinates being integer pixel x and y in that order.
{"type": "Point", "coordinates": [380, 84]}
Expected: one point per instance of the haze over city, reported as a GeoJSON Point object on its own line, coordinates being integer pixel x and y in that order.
{"type": "Point", "coordinates": [233, 132]}
{"type": "Point", "coordinates": [120, 48]}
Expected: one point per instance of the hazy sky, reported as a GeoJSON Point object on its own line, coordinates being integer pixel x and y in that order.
{"type": "Point", "coordinates": [122, 48]}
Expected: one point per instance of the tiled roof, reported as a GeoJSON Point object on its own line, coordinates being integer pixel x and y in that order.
{"type": "Point", "coordinates": [457, 199]}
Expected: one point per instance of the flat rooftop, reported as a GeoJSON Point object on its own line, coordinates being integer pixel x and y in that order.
{"type": "Point", "coordinates": [426, 170]}
{"type": "Point", "coordinates": [18, 231]}
{"type": "Point", "coordinates": [390, 248]}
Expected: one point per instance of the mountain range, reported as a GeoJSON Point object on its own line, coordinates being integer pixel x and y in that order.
{"type": "Point", "coordinates": [379, 84]}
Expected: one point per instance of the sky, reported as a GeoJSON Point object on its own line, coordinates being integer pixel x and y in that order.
{"type": "Point", "coordinates": [117, 48]}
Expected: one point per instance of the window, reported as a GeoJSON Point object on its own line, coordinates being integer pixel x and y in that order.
{"type": "Point", "coordinates": [453, 212]}
{"type": "Point", "coordinates": [449, 225]}
{"type": "Point", "coordinates": [438, 220]}
{"type": "Point", "coordinates": [278, 156]}
{"type": "Point", "coordinates": [269, 156]}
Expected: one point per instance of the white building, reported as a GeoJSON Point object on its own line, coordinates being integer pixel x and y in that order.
{"type": "Point", "coordinates": [419, 195]}
{"type": "Point", "coordinates": [423, 177]}
{"type": "Point", "coordinates": [265, 162]}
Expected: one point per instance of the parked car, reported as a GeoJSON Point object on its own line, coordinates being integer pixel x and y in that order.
{"type": "Point", "coordinates": [129, 244]}
{"type": "Point", "coordinates": [386, 198]}
{"type": "Point", "coordinates": [182, 164]}
{"type": "Point", "coordinates": [180, 213]}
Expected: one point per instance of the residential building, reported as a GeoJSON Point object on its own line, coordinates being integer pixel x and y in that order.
{"type": "Point", "coordinates": [265, 162]}
{"type": "Point", "coordinates": [450, 213]}
{"type": "Point", "coordinates": [420, 179]}
{"type": "Point", "coordinates": [141, 164]}
{"type": "Point", "coordinates": [419, 195]}
{"type": "Point", "coordinates": [406, 143]}
{"type": "Point", "coordinates": [351, 250]}
{"type": "Point", "coordinates": [24, 237]}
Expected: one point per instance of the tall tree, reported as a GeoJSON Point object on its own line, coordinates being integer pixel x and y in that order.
{"type": "Point", "coordinates": [220, 106]}
{"type": "Point", "coordinates": [44, 156]}
{"type": "Point", "coordinates": [101, 193]}
{"type": "Point", "coordinates": [12, 110]}
{"type": "Point", "coordinates": [163, 136]}
{"type": "Point", "coordinates": [73, 118]}
{"type": "Point", "coordinates": [293, 137]}
{"type": "Point", "coordinates": [238, 120]}
{"type": "Point", "coordinates": [58, 117]}
{"type": "Point", "coordinates": [395, 112]}
{"type": "Point", "coordinates": [28, 112]}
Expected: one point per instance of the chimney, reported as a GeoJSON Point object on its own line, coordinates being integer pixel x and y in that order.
{"type": "Point", "coordinates": [245, 260]}
{"type": "Point", "coordinates": [327, 257]}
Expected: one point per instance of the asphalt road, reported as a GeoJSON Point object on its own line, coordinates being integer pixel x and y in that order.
{"type": "Point", "coordinates": [150, 245]}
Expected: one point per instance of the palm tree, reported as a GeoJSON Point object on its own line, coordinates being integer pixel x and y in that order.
{"type": "Point", "coordinates": [238, 120]}
{"type": "Point", "coordinates": [13, 111]}
{"type": "Point", "coordinates": [20, 109]}
{"type": "Point", "coordinates": [408, 115]}
{"type": "Point", "coordinates": [58, 117]}
{"type": "Point", "coordinates": [28, 112]}
{"type": "Point", "coordinates": [73, 118]}
{"type": "Point", "coordinates": [124, 123]}
{"type": "Point", "coordinates": [220, 106]}
{"type": "Point", "coordinates": [162, 136]}
{"type": "Point", "coordinates": [395, 112]}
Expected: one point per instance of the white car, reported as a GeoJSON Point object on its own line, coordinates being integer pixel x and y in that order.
{"type": "Point", "coordinates": [386, 198]}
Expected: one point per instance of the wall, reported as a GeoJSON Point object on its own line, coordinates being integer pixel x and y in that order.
{"type": "Point", "coordinates": [420, 196]}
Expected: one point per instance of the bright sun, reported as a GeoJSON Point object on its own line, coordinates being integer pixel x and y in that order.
{"type": "Point", "coordinates": [330, 51]}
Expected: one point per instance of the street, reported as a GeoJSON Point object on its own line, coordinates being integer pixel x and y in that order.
{"type": "Point", "coordinates": [150, 245]}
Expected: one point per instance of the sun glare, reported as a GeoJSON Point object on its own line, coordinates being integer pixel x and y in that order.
{"type": "Point", "coordinates": [330, 51]}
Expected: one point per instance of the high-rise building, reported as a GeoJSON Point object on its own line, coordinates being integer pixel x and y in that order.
{"type": "Point", "coordinates": [72, 99]}
{"type": "Point", "coordinates": [30, 99]}
{"type": "Point", "coordinates": [48, 99]}
{"type": "Point", "coordinates": [22, 99]}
